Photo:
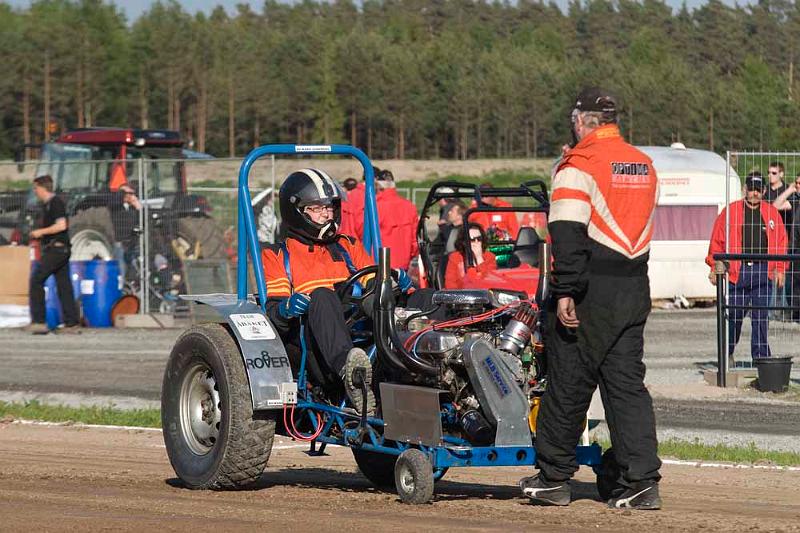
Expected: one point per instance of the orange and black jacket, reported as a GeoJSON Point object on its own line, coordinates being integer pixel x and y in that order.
{"type": "Point", "coordinates": [601, 212]}
{"type": "Point", "coordinates": [311, 266]}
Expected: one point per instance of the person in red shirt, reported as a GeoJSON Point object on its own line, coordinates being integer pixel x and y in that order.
{"type": "Point", "coordinates": [397, 218]}
{"type": "Point", "coordinates": [503, 222]}
{"type": "Point", "coordinates": [353, 212]}
{"type": "Point", "coordinates": [484, 261]}
{"type": "Point", "coordinates": [755, 227]}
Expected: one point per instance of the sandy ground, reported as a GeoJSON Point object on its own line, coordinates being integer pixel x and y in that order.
{"type": "Point", "coordinates": [69, 478]}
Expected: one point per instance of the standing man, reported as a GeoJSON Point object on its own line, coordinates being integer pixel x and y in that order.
{"type": "Point", "coordinates": [604, 196]}
{"type": "Point", "coordinates": [789, 201]}
{"type": "Point", "coordinates": [755, 228]}
{"type": "Point", "coordinates": [54, 240]}
{"type": "Point", "coordinates": [776, 187]}
{"type": "Point", "coordinates": [398, 220]}
{"type": "Point", "coordinates": [124, 209]}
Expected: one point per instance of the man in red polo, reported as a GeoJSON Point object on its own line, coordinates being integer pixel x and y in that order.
{"type": "Point", "coordinates": [756, 227]}
{"type": "Point", "coordinates": [397, 218]}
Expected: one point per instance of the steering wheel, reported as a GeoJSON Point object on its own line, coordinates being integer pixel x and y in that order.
{"type": "Point", "coordinates": [363, 302]}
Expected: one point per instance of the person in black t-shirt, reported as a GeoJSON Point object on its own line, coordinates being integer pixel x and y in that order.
{"type": "Point", "coordinates": [789, 202]}
{"type": "Point", "coordinates": [775, 187]}
{"type": "Point", "coordinates": [124, 207]}
{"type": "Point", "coordinates": [54, 240]}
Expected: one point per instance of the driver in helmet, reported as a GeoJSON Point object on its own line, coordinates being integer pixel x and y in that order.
{"type": "Point", "coordinates": [302, 272]}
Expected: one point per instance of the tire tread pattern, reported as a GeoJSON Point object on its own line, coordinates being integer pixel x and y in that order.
{"type": "Point", "coordinates": [249, 440]}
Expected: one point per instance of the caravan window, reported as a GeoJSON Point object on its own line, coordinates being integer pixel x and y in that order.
{"type": "Point", "coordinates": [684, 222]}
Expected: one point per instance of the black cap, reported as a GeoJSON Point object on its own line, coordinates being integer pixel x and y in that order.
{"type": "Point", "coordinates": [596, 99]}
{"type": "Point", "coordinates": [754, 181]}
{"type": "Point", "coordinates": [384, 175]}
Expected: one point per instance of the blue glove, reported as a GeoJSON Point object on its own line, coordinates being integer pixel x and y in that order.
{"type": "Point", "coordinates": [404, 280]}
{"type": "Point", "coordinates": [294, 306]}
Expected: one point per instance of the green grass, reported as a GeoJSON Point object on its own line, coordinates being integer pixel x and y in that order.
{"type": "Point", "coordinates": [113, 416]}
{"type": "Point", "coordinates": [697, 451]}
{"type": "Point", "coordinates": [103, 415]}
{"type": "Point", "coordinates": [17, 185]}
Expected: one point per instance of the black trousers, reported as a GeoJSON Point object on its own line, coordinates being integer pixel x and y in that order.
{"type": "Point", "coordinates": [326, 333]}
{"type": "Point", "coordinates": [606, 350]}
{"type": "Point", "coordinates": [54, 261]}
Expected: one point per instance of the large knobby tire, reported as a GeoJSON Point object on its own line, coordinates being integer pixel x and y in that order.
{"type": "Point", "coordinates": [200, 238]}
{"type": "Point", "coordinates": [376, 467]}
{"type": "Point", "coordinates": [608, 474]}
{"type": "Point", "coordinates": [91, 234]}
{"type": "Point", "coordinates": [413, 477]}
{"type": "Point", "coordinates": [212, 437]}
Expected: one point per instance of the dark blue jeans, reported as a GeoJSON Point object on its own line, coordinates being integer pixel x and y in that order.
{"type": "Point", "coordinates": [754, 288]}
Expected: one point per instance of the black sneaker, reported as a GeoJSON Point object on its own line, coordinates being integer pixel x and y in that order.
{"type": "Point", "coordinates": [540, 490]}
{"type": "Point", "coordinates": [357, 358]}
{"type": "Point", "coordinates": [643, 497]}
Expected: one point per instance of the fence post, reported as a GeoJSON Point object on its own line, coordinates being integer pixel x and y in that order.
{"type": "Point", "coordinates": [143, 309]}
{"type": "Point", "coordinates": [720, 270]}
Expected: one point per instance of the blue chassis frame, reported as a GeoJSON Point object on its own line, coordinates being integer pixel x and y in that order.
{"type": "Point", "coordinates": [454, 452]}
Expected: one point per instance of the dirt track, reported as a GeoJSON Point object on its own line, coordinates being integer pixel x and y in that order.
{"type": "Point", "coordinates": [62, 478]}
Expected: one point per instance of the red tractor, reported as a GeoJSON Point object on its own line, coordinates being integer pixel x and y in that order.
{"type": "Point", "coordinates": [88, 166]}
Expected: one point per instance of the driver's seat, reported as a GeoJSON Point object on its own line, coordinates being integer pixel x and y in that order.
{"type": "Point", "coordinates": [527, 246]}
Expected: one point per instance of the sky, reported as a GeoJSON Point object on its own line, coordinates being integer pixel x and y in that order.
{"type": "Point", "coordinates": [134, 8]}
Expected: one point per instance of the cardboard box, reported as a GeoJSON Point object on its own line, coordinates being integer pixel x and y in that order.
{"type": "Point", "coordinates": [15, 270]}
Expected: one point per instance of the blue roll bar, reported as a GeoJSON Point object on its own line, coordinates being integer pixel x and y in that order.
{"type": "Point", "coordinates": [247, 235]}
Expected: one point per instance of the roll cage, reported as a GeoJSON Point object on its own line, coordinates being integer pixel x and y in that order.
{"type": "Point", "coordinates": [535, 190]}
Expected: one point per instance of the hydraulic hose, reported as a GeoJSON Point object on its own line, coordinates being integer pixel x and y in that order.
{"type": "Point", "coordinates": [386, 340]}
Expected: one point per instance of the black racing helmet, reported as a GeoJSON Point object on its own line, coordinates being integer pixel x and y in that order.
{"type": "Point", "coordinates": [305, 187]}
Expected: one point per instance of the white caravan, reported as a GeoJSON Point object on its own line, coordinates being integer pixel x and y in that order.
{"type": "Point", "coordinates": [692, 193]}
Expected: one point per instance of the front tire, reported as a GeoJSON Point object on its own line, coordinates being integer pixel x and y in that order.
{"type": "Point", "coordinates": [413, 477]}
{"type": "Point", "coordinates": [214, 440]}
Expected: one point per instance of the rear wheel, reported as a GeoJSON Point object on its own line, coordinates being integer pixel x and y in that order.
{"type": "Point", "coordinates": [199, 238]}
{"type": "Point", "coordinates": [91, 234]}
{"type": "Point", "coordinates": [376, 467]}
{"type": "Point", "coordinates": [213, 437]}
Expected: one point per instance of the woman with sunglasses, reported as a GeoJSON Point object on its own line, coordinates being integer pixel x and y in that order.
{"type": "Point", "coordinates": [483, 260]}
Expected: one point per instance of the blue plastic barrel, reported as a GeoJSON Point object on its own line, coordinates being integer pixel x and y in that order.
{"type": "Point", "coordinates": [77, 272]}
{"type": "Point", "coordinates": [101, 287]}
{"type": "Point", "coordinates": [52, 306]}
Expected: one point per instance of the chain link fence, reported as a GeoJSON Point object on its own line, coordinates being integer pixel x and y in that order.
{"type": "Point", "coordinates": [169, 223]}
{"type": "Point", "coordinates": [756, 245]}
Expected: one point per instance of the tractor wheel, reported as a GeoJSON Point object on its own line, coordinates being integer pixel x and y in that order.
{"type": "Point", "coordinates": [91, 234]}
{"type": "Point", "coordinates": [199, 238]}
{"type": "Point", "coordinates": [213, 438]}
{"type": "Point", "coordinates": [608, 485]}
{"type": "Point", "coordinates": [413, 477]}
{"type": "Point", "coordinates": [376, 467]}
